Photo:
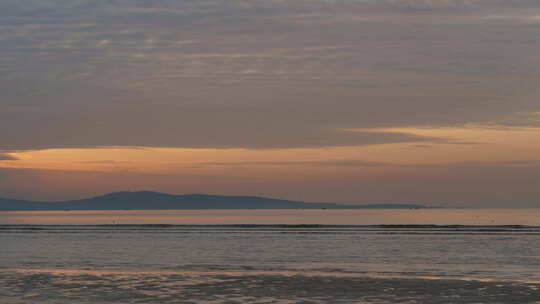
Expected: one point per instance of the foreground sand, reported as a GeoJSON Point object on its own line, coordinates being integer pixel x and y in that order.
{"type": "Point", "coordinates": [17, 286]}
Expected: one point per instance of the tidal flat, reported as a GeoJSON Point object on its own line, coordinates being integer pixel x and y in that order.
{"type": "Point", "coordinates": [58, 286]}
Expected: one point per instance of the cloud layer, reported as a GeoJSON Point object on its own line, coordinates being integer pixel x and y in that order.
{"type": "Point", "coordinates": [260, 74]}
{"type": "Point", "coordinates": [5, 156]}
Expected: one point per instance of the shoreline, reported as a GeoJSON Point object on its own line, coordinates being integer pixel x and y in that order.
{"type": "Point", "coordinates": [261, 272]}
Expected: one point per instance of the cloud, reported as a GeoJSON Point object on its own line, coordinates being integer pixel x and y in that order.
{"type": "Point", "coordinates": [6, 156]}
{"type": "Point", "coordinates": [519, 119]}
{"type": "Point", "coordinates": [331, 163]}
{"type": "Point", "coordinates": [529, 163]}
{"type": "Point", "coordinates": [104, 162]}
{"type": "Point", "coordinates": [198, 74]}
{"type": "Point", "coordinates": [375, 164]}
{"type": "Point", "coordinates": [210, 136]}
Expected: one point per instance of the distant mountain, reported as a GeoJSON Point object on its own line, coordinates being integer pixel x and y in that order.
{"type": "Point", "coordinates": [147, 200]}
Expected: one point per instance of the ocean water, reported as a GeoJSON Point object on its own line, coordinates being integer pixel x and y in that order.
{"type": "Point", "coordinates": [271, 256]}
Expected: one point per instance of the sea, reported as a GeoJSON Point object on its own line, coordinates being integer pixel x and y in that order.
{"type": "Point", "coordinates": [271, 256]}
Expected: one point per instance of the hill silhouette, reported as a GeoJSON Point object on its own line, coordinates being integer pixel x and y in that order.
{"type": "Point", "coordinates": [148, 200]}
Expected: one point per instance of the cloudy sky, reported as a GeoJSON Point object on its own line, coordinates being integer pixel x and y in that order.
{"type": "Point", "coordinates": [350, 101]}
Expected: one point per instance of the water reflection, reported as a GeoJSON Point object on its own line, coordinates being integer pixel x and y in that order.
{"type": "Point", "coordinates": [292, 217]}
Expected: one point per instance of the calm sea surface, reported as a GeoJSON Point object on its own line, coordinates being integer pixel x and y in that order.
{"type": "Point", "coordinates": [224, 256]}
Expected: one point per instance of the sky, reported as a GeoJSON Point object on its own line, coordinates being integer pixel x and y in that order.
{"type": "Point", "coordinates": [347, 101]}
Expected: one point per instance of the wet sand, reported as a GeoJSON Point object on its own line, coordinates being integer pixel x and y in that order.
{"type": "Point", "coordinates": [88, 287]}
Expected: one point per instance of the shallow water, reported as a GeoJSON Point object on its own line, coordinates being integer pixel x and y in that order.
{"type": "Point", "coordinates": [268, 217]}
{"type": "Point", "coordinates": [199, 258]}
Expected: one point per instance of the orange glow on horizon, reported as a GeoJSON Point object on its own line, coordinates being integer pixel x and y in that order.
{"type": "Point", "coordinates": [463, 145]}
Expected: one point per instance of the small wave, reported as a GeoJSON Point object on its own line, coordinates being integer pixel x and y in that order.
{"type": "Point", "coordinates": [278, 228]}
